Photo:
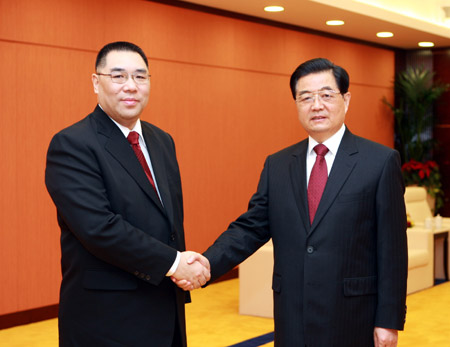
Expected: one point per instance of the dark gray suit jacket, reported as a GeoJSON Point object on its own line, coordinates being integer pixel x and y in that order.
{"type": "Point", "coordinates": [334, 280]}
{"type": "Point", "coordinates": [117, 240]}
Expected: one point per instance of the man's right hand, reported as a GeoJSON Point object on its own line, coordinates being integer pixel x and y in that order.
{"type": "Point", "coordinates": [192, 272]}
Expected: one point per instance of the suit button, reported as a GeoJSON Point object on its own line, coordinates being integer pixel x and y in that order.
{"type": "Point", "coordinates": [147, 278]}
{"type": "Point", "coordinates": [141, 275]}
{"type": "Point", "coordinates": [136, 273]}
{"type": "Point", "coordinates": [172, 236]}
{"type": "Point", "coordinates": [310, 249]}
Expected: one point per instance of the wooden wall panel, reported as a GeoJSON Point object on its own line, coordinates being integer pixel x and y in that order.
{"type": "Point", "coordinates": [220, 86]}
{"type": "Point", "coordinates": [39, 100]}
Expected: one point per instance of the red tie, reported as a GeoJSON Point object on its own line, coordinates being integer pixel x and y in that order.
{"type": "Point", "coordinates": [133, 139]}
{"type": "Point", "coordinates": [317, 180]}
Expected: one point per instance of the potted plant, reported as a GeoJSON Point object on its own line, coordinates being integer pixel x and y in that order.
{"type": "Point", "coordinates": [425, 175]}
{"type": "Point", "coordinates": [416, 94]}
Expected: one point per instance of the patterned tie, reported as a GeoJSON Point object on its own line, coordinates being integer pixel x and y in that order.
{"type": "Point", "coordinates": [133, 139]}
{"type": "Point", "coordinates": [317, 180]}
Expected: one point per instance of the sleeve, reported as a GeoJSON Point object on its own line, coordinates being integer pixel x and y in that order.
{"type": "Point", "coordinates": [76, 184]}
{"type": "Point", "coordinates": [243, 236]}
{"type": "Point", "coordinates": [392, 249]}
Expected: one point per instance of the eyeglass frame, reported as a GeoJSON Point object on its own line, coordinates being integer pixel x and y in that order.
{"type": "Point", "coordinates": [317, 92]}
{"type": "Point", "coordinates": [133, 75]}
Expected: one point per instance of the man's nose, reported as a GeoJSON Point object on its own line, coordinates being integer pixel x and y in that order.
{"type": "Point", "coordinates": [317, 101]}
{"type": "Point", "coordinates": [130, 84]}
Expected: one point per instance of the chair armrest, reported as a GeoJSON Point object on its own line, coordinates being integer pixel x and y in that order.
{"type": "Point", "coordinates": [420, 238]}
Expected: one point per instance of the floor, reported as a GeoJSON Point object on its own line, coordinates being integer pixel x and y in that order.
{"type": "Point", "coordinates": [213, 320]}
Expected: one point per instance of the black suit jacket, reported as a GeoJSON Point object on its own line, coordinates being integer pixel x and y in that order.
{"type": "Point", "coordinates": [334, 280]}
{"type": "Point", "coordinates": [117, 240]}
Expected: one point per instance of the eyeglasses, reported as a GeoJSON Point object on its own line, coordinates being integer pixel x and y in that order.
{"type": "Point", "coordinates": [121, 77]}
{"type": "Point", "coordinates": [327, 95]}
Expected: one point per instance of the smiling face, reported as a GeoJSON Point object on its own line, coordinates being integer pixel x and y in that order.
{"type": "Point", "coordinates": [122, 102]}
{"type": "Point", "coordinates": [321, 118]}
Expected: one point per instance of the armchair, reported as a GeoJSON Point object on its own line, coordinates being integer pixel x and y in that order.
{"type": "Point", "coordinates": [420, 259]}
{"type": "Point", "coordinates": [255, 283]}
{"type": "Point", "coordinates": [417, 206]}
{"type": "Point", "coordinates": [418, 209]}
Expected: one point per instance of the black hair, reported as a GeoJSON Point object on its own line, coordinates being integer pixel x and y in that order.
{"type": "Point", "coordinates": [118, 46]}
{"type": "Point", "coordinates": [319, 65]}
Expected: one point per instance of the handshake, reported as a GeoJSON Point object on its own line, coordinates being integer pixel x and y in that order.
{"type": "Point", "coordinates": [193, 271]}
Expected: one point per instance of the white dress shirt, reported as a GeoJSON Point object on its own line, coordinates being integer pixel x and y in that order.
{"type": "Point", "coordinates": [138, 129]}
{"type": "Point", "coordinates": [332, 144]}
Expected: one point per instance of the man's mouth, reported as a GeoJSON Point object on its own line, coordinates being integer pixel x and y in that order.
{"type": "Point", "coordinates": [130, 101]}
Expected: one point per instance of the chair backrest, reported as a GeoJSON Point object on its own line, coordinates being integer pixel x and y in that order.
{"type": "Point", "coordinates": [416, 204]}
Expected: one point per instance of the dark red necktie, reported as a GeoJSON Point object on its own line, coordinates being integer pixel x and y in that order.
{"type": "Point", "coordinates": [317, 180]}
{"type": "Point", "coordinates": [133, 139]}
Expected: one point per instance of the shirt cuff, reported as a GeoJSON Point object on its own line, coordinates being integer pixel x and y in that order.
{"type": "Point", "coordinates": [174, 266]}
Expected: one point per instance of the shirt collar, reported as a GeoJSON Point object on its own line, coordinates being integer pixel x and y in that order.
{"type": "Point", "coordinates": [332, 143]}
{"type": "Point", "coordinates": [125, 130]}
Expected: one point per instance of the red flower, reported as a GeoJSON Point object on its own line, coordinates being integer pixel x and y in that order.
{"type": "Point", "coordinates": [415, 165]}
{"type": "Point", "coordinates": [422, 168]}
{"type": "Point", "coordinates": [432, 164]}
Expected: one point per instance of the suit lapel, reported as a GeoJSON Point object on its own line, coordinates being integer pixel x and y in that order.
{"type": "Point", "coordinates": [159, 167]}
{"type": "Point", "coordinates": [343, 165]}
{"type": "Point", "coordinates": [118, 146]}
{"type": "Point", "coordinates": [298, 178]}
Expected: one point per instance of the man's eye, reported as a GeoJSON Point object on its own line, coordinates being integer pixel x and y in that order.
{"type": "Point", "coordinates": [118, 76]}
{"type": "Point", "coordinates": [306, 98]}
{"type": "Point", "coordinates": [326, 96]}
{"type": "Point", "coordinates": [141, 77]}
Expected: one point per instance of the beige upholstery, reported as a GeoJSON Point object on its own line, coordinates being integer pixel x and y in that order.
{"type": "Point", "coordinates": [420, 259]}
{"type": "Point", "coordinates": [255, 283]}
{"type": "Point", "coordinates": [416, 200]}
{"type": "Point", "coordinates": [417, 205]}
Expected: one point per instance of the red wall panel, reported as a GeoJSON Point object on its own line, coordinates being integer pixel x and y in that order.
{"type": "Point", "coordinates": [220, 86]}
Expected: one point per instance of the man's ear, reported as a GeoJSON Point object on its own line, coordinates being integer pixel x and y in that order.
{"type": "Point", "coordinates": [95, 82]}
{"type": "Point", "coordinates": [347, 97]}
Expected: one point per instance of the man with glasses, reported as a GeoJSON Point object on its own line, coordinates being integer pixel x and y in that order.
{"type": "Point", "coordinates": [116, 185]}
{"type": "Point", "coordinates": [333, 206]}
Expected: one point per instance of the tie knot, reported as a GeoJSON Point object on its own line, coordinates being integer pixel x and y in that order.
{"type": "Point", "coordinates": [321, 149]}
{"type": "Point", "coordinates": [133, 138]}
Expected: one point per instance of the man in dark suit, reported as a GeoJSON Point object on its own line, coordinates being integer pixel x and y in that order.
{"type": "Point", "coordinates": [340, 257]}
{"type": "Point", "coordinates": [116, 185]}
